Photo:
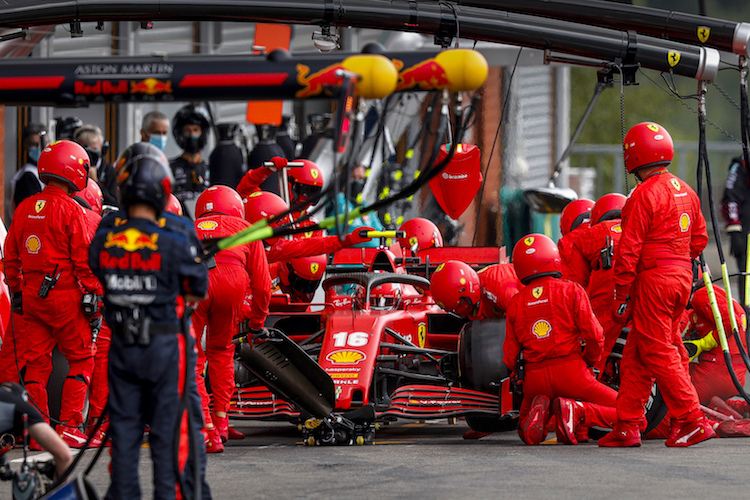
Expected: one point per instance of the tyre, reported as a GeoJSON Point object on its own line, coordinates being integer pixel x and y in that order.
{"type": "Point", "coordinates": [480, 355]}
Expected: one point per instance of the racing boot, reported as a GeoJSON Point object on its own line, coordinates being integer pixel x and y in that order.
{"type": "Point", "coordinates": [624, 435]}
{"type": "Point", "coordinates": [472, 434]}
{"type": "Point", "coordinates": [733, 428]}
{"type": "Point", "coordinates": [691, 432]}
{"type": "Point", "coordinates": [738, 405]}
{"type": "Point", "coordinates": [226, 432]}
{"type": "Point", "coordinates": [101, 433]}
{"type": "Point", "coordinates": [213, 440]}
{"type": "Point", "coordinates": [728, 407]}
{"type": "Point", "coordinates": [569, 415]}
{"type": "Point", "coordinates": [72, 435]}
{"type": "Point", "coordinates": [534, 429]}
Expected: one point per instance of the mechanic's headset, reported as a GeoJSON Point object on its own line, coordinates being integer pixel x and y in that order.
{"type": "Point", "coordinates": [89, 129]}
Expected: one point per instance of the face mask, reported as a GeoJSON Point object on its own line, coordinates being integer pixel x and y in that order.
{"type": "Point", "coordinates": [160, 141]}
{"type": "Point", "coordinates": [355, 189]}
{"type": "Point", "coordinates": [94, 155]}
{"type": "Point", "coordinates": [34, 154]}
{"type": "Point", "coordinates": [192, 143]}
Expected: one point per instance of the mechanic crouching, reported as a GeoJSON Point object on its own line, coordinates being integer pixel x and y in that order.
{"type": "Point", "coordinates": [547, 323]}
{"type": "Point", "coordinates": [145, 268]}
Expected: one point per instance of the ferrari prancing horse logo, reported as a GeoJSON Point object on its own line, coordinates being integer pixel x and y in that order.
{"type": "Point", "coordinates": [537, 292]}
{"type": "Point", "coordinates": [703, 33]}
{"type": "Point", "coordinates": [39, 206]}
{"type": "Point", "coordinates": [673, 57]}
{"type": "Point", "coordinates": [314, 268]}
{"type": "Point", "coordinates": [529, 241]}
{"type": "Point", "coordinates": [676, 184]}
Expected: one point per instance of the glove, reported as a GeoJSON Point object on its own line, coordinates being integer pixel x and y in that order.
{"type": "Point", "coordinates": [259, 333]}
{"type": "Point", "coordinates": [16, 302]}
{"type": "Point", "coordinates": [695, 347]}
{"type": "Point", "coordinates": [279, 162]}
{"type": "Point", "coordinates": [354, 238]}
{"type": "Point", "coordinates": [737, 244]}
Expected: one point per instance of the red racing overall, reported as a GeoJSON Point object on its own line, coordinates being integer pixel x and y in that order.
{"type": "Point", "coordinates": [499, 284]}
{"type": "Point", "coordinates": [663, 229]}
{"type": "Point", "coordinates": [549, 320]}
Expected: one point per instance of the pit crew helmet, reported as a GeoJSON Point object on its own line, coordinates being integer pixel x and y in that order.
{"type": "Point", "coordinates": [385, 297]}
{"type": "Point", "coordinates": [144, 176]}
{"type": "Point", "coordinates": [67, 162]}
{"type": "Point", "coordinates": [190, 115]}
{"type": "Point", "coordinates": [422, 233]}
{"type": "Point", "coordinates": [173, 205]}
{"type": "Point", "coordinates": [264, 204]}
{"type": "Point", "coordinates": [534, 256]}
{"type": "Point", "coordinates": [608, 207]}
{"type": "Point", "coordinates": [91, 196]}
{"type": "Point", "coordinates": [220, 200]}
{"type": "Point", "coordinates": [300, 277]}
{"type": "Point", "coordinates": [574, 214]}
{"type": "Point", "coordinates": [647, 144]}
{"type": "Point", "coordinates": [455, 287]}
{"type": "Point", "coordinates": [305, 181]}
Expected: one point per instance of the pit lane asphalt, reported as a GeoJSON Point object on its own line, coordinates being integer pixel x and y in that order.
{"type": "Point", "coordinates": [431, 460]}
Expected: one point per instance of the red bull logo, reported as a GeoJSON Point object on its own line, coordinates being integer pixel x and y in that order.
{"type": "Point", "coordinates": [132, 240]}
{"type": "Point", "coordinates": [314, 84]}
{"type": "Point", "coordinates": [151, 86]}
{"type": "Point", "coordinates": [130, 261]}
{"type": "Point", "coordinates": [427, 75]}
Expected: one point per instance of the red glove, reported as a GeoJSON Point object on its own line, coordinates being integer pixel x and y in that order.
{"type": "Point", "coordinates": [279, 162]}
{"type": "Point", "coordinates": [354, 238]}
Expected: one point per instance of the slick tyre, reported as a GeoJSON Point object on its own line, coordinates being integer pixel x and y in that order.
{"type": "Point", "coordinates": [480, 354]}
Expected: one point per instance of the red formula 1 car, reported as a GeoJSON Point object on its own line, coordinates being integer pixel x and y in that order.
{"type": "Point", "coordinates": [379, 349]}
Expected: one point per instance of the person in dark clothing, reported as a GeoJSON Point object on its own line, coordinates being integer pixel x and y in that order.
{"type": "Point", "coordinates": [190, 129]}
{"type": "Point", "coordinates": [26, 182]}
{"type": "Point", "coordinates": [226, 162]}
{"type": "Point", "coordinates": [735, 207]}
{"type": "Point", "coordinates": [92, 140]}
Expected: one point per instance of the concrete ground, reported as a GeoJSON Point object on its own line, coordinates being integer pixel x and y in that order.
{"type": "Point", "coordinates": [431, 460]}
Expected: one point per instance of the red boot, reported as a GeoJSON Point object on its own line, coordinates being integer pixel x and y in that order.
{"type": "Point", "coordinates": [534, 429]}
{"type": "Point", "coordinates": [569, 415]}
{"type": "Point", "coordinates": [690, 433]}
{"type": "Point", "coordinates": [733, 428]}
{"type": "Point", "coordinates": [98, 438]}
{"type": "Point", "coordinates": [738, 405]}
{"type": "Point", "coordinates": [226, 432]}
{"type": "Point", "coordinates": [213, 441]}
{"type": "Point", "coordinates": [472, 434]}
{"type": "Point", "coordinates": [72, 436]}
{"type": "Point", "coordinates": [622, 436]}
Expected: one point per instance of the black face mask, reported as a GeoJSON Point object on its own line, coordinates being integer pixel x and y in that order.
{"type": "Point", "coordinates": [192, 144]}
{"type": "Point", "coordinates": [355, 189]}
{"type": "Point", "coordinates": [93, 156]}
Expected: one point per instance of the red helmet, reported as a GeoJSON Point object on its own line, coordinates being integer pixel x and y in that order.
{"type": "Point", "coordinates": [304, 182]}
{"type": "Point", "coordinates": [264, 204]}
{"type": "Point", "coordinates": [421, 233]}
{"type": "Point", "coordinates": [221, 200]}
{"type": "Point", "coordinates": [300, 277]}
{"type": "Point", "coordinates": [173, 205]}
{"type": "Point", "coordinates": [455, 287]}
{"type": "Point", "coordinates": [608, 207]}
{"type": "Point", "coordinates": [536, 255]}
{"type": "Point", "coordinates": [64, 161]}
{"type": "Point", "coordinates": [574, 214]}
{"type": "Point", "coordinates": [385, 297]}
{"type": "Point", "coordinates": [647, 144]}
{"type": "Point", "coordinates": [91, 196]}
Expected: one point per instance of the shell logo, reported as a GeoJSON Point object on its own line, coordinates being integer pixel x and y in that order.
{"type": "Point", "coordinates": [617, 229]}
{"type": "Point", "coordinates": [676, 184]}
{"type": "Point", "coordinates": [346, 357]}
{"type": "Point", "coordinates": [39, 206]}
{"type": "Point", "coordinates": [314, 268]}
{"type": "Point", "coordinates": [529, 241]}
{"type": "Point", "coordinates": [684, 222]}
{"type": "Point", "coordinates": [208, 225]}
{"type": "Point", "coordinates": [33, 244]}
{"type": "Point", "coordinates": [541, 329]}
{"type": "Point", "coordinates": [537, 292]}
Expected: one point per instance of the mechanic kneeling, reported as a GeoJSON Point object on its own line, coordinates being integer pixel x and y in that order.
{"type": "Point", "coordinates": [144, 267]}
{"type": "Point", "coordinates": [547, 323]}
